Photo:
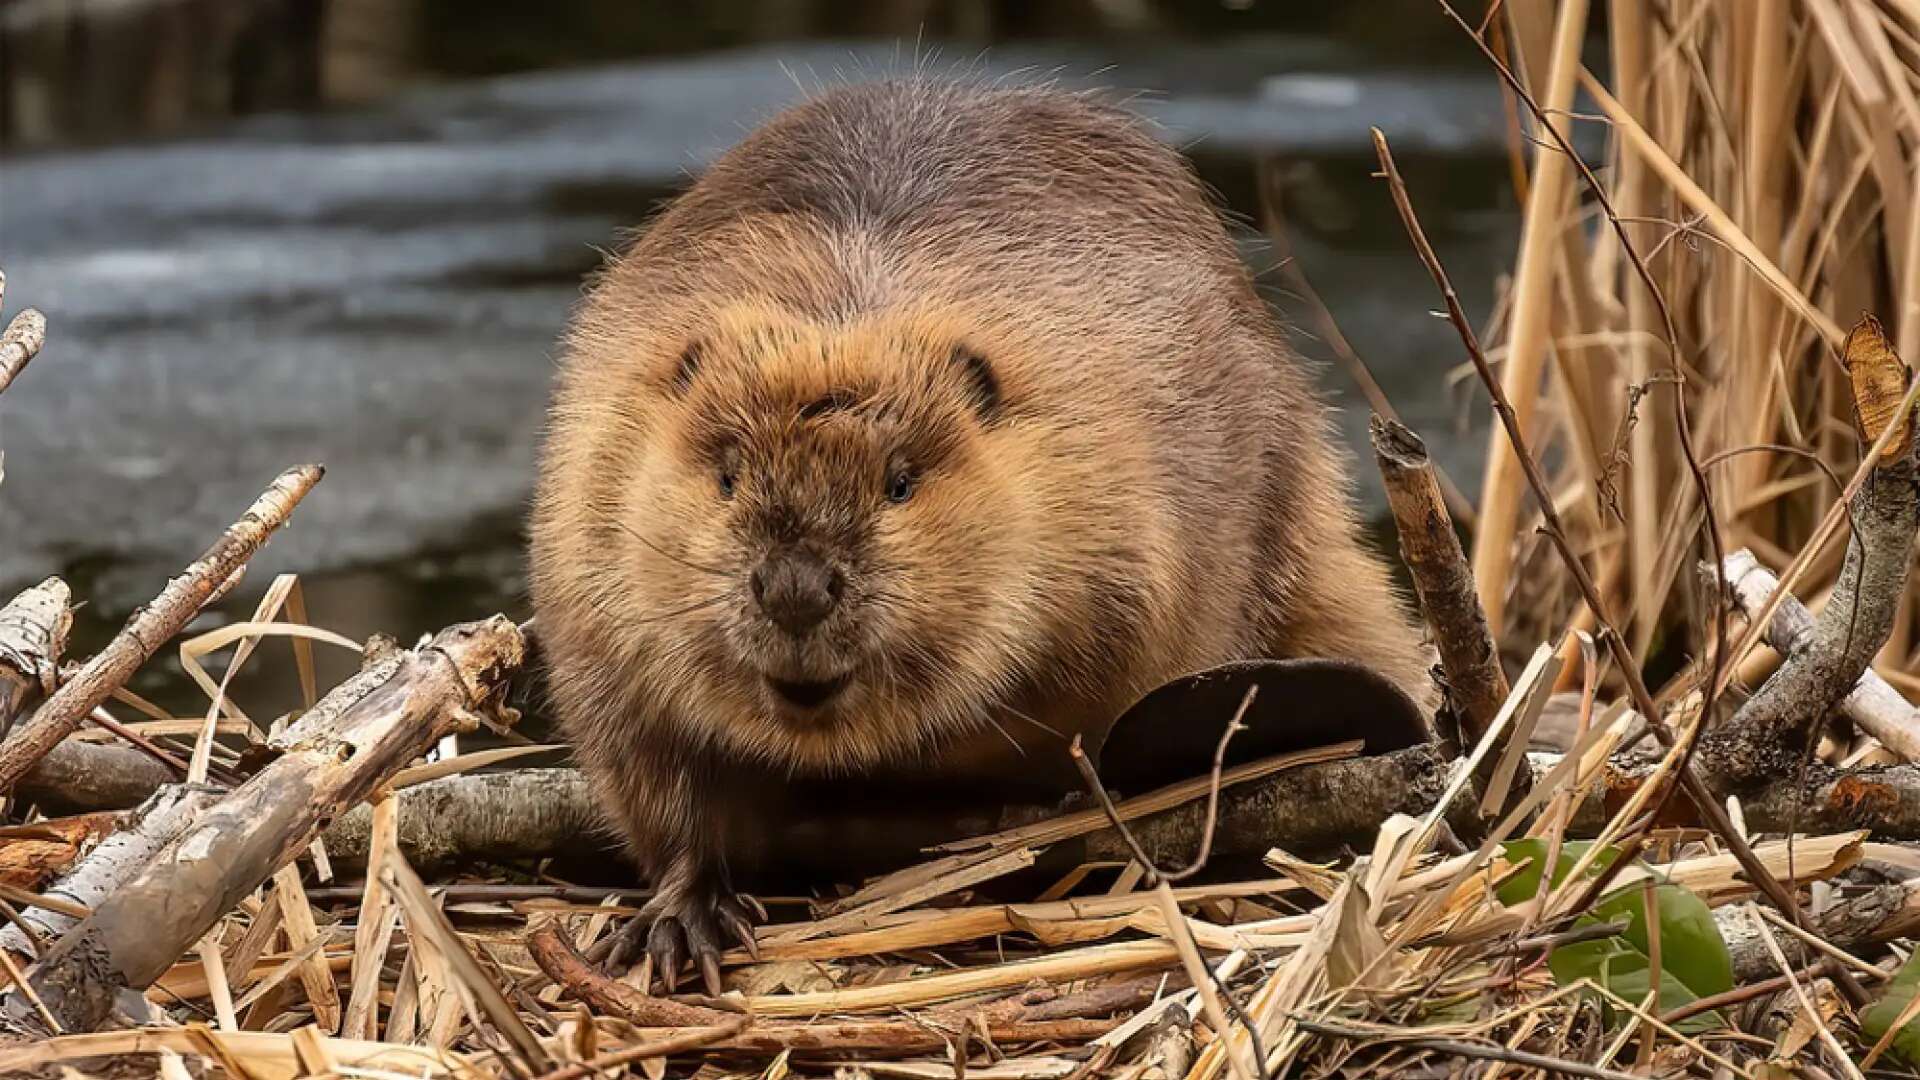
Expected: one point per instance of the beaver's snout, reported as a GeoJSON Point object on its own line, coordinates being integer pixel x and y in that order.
{"type": "Point", "coordinates": [795, 589]}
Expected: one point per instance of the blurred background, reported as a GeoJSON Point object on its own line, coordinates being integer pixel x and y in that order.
{"type": "Point", "coordinates": [274, 231]}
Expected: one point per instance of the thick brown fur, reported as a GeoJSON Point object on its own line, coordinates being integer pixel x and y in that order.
{"type": "Point", "coordinates": [1017, 306]}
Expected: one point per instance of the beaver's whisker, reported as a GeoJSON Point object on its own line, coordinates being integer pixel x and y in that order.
{"type": "Point", "coordinates": [698, 605]}
{"type": "Point", "coordinates": [1053, 731]}
{"type": "Point", "coordinates": [665, 554]}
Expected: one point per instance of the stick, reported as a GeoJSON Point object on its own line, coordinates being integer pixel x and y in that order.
{"type": "Point", "coordinates": [564, 965]}
{"type": "Point", "coordinates": [151, 626]}
{"type": "Point", "coordinates": [677, 1043]}
{"type": "Point", "coordinates": [1880, 710]}
{"type": "Point", "coordinates": [1442, 578]}
{"type": "Point", "coordinates": [333, 757]}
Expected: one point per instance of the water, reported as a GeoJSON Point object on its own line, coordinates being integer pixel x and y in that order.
{"type": "Point", "coordinates": [379, 289]}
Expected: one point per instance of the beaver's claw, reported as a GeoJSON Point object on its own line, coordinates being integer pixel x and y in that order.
{"type": "Point", "coordinates": [671, 934]}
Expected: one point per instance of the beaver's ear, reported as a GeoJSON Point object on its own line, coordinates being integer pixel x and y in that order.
{"type": "Point", "coordinates": [685, 370]}
{"type": "Point", "coordinates": [982, 385]}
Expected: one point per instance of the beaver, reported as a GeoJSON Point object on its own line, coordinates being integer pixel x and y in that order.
{"type": "Point", "coordinates": [933, 425]}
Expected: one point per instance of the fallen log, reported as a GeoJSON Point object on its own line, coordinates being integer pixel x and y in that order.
{"type": "Point", "coordinates": [332, 758]}
{"type": "Point", "coordinates": [152, 626]}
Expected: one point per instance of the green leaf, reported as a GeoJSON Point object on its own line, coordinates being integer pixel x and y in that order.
{"type": "Point", "coordinates": [1881, 1014]}
{"type": "Point", "coordinates": [1694, 962]}
{"type": "Point", "coordinates": [1525, 884]}
{"type": "Point", "coordinates": [1691, 947]}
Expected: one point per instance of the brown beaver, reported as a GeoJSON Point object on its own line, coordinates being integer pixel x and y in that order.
{"type": "Point", "coordinates": [936, 423]}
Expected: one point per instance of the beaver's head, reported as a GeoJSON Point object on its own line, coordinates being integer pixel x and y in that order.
{"type": "Point", "coordinates": [818, 539]}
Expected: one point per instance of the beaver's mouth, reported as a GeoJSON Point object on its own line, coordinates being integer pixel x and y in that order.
{"type": "Point", "coordinates": [807, 693]}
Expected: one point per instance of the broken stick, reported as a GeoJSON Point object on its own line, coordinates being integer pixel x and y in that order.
{"type": "Point", "coordinates": [20, 342]}
{"type": "Point", "coordinates": [1442, 577]}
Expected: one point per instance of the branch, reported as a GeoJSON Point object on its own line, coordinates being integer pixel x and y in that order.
{"type": "Point", "coordinates": [1769, 733]}
{"type": "Point", "coordinates": [1476, 686]}
{"type": "Point", "coordinates": [78, 776]}
{"type": "Point", "coordinates": [332, 758]}
{"type": "Point", "coordinates": [151, 626]}
{"type": "Point", "coordinates": [1879, 709]}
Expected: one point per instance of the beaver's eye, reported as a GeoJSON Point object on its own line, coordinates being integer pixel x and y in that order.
{"type": "Point", "coordinates": [900, 486]}
{"type": "Point", "coordinates": [726, 483]}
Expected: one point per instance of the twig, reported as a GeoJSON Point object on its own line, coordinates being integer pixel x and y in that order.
{"type": "Point", "coordinates": [151, 626]}
{"type": "Point", "coordinates": [1154, 873]}
{"type": "Point", "coordinates": [564, 965]}
{"type": "Point", "coordinates": [1740, 995]}
{"type": "Point", "coordinates": [657, 1048]}
{"type": "Point", "coordinates": [1213, 997]}
{"type": "Point", "coordinates": [1550, 1065]}
{"type": "Point", "coordinates": [145, 745]}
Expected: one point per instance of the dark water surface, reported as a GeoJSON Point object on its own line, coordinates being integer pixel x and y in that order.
{"type": "Point", "coordinates": [379, 289]}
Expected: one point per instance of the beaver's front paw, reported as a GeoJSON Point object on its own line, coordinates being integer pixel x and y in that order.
{"type": "Point", "coordinates": [686, 925]}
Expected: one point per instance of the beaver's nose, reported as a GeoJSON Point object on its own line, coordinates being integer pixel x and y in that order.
{"type": "Point", "coordinates": [795, 589]}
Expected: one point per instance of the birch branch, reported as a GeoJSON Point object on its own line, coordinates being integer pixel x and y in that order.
{"type": "Point", "coordinates": [152, 626]}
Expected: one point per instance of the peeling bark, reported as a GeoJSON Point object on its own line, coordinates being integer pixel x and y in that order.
{"type": "Point", "coordinates": [156, 824]}
{"type": "Point", "coordinates": [33, 635]}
